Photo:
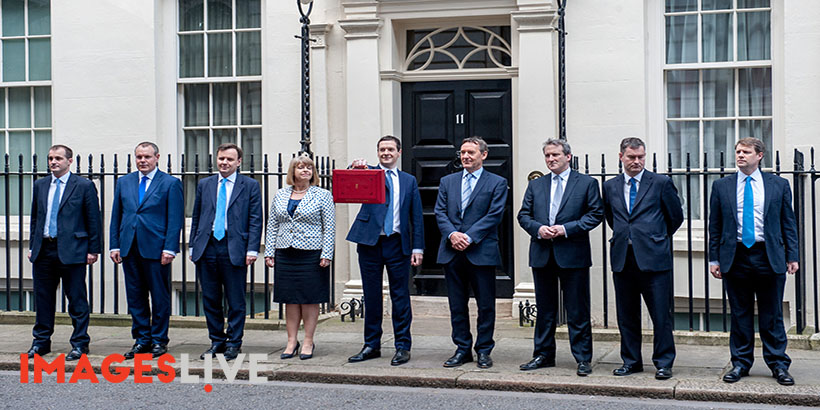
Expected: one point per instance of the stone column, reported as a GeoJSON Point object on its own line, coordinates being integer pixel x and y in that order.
{"type": "Point", "coordinates": [363, 105]}
{"type": "Point", "coordinates": [536, 119]}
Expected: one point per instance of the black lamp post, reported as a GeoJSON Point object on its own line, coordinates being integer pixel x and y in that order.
{"type": "Point", "coordinates": [305, 37]}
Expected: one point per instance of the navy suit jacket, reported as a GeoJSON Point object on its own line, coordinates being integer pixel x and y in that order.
{"type": "Point", "coordinates": [481, 218]}
{"type": "Point", "coordinates": [657, 214]}
{"type": "Point", "coordinates": [78, 219]}
{"type": "Point", "coordinates": [369, 222]}
{"type": "Point", "coordinates": [155, 224]}
{"type": "Point", "coordinates": [580, 211]}
{"type": "Point", "coordinates": [244, 218]}
{"type": "Point", "coordinates": [779, 225]}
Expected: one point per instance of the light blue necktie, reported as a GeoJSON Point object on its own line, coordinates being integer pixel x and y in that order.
{"type": "Point", "coordinates": [143, 184]}
{"type": "Point", "coordinates": [388, 217]}
{"type": "Point", "coordinates": [466, 191]}
{"type": "Point", "coordinates": [555, 202]}
{"type": "Point", "coordinates": [748, 235]}
{"type": "Point", "coordinates": [221, 205]}
{"type": "Point", "coordinates": [633, 192]}
{"type": "Point", "coordinates": [55, 208]}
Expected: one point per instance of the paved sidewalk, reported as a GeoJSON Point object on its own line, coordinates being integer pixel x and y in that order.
{"type": "Point", "coordinates": [698, 368]}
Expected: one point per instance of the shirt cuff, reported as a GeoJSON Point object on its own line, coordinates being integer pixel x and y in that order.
{"type": "Point", "coordinates": [469, 240]}
{"type": "Point", "coordinates": [714, 263]}
{"type": "Point", "coordinates": [252, 253]}
{"type": "Point", "coordinates": [451, 234]}
{"type": "Point", "coordinates": [114, 250]}
{"type": "Point", "coordinates": [418, 251]}
{"type": "Point", "coordinates": [565, 231]}
{"type": "Point", "coordinates": [172, 253]}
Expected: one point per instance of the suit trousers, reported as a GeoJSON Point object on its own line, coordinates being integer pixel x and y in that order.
{"type": "Point", "coordinates": [217, 275]}
{"type": "Point", "coordinates": [656, 289]}
{"type": "Point", "coordinates": [575, 289]}
{"type": "Point", "coordinates": [751, 275]}
{"type": "Point", "coordinates": [48, 271]}
{"type": "Point", "coordinates": [144, 277]}
{"type": "Point", "coordinates": [462, 275]}
{"type": "Point", "coordinates": [372, 260]}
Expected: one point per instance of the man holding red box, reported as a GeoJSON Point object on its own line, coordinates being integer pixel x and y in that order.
{"type": "Point", "coordinates": [388, 235]}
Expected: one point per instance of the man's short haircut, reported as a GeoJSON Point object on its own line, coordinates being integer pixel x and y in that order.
{"type": "Point", "coordinates": [758, 145]}
{"type": "Point", "coordinates": [482, 145]}
{"type": "Point", "coordinates": [557, 143]}
{"type": "Point", "coordinates": [148, 144]}
{"type": "Point", "coordinates": [301, 159]}
{"type": "Point", "coordinates": [631, 142]}
{"type": "Point", "coordinates": [68, 152]}
{"type": "Point", "coordinates": [389, 138]}
{"type": "Point", "coordinates": [228, 145]}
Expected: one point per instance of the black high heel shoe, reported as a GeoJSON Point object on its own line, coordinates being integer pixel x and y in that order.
{"type": "Point", "coordinates": [284, 355]}
{"type": "Point", "coordinates": [303, 356]}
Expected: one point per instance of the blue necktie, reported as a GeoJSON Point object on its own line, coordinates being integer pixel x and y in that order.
{"type": "Point", "coordinates": [143, 184]}
{"type": "Point", "coordinates": [555, 202]}
{"type": "Point", "coordinates": [466, 191]}
{"type": "Point", "coordinates": [748, 235]}
{"type": "Point", "coordinates": [221, 205]}
{"type": "Point", "coordinates": [55, 208]}
{"type": "Point", "coordinates": [388, 217]}
{"type": "Point", "coordinates": [633, 192]}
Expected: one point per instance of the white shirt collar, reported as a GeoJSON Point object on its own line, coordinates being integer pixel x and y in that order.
{"type": "Point", "coordinates": [476, 173]}
{"type": "Point", "coordinates": [564, 175]}
{"type": "Point", "coordinates": [63, 179]}
{"type": "Point", "coordinates": [756, 176]}
{"type": "Point", "coordinates": [150, 175]}
{"type": "Point", "coordinates": [231, 178]}
{"type": "Point", "coordinates": [637, 177]}
{"type": "Point", "coordinates": [395, 169]}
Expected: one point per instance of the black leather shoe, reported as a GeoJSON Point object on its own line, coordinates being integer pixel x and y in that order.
{"type": "Point", "coordinates": [664, 373]}
{"type": "Point", "coordinates": [305, 356]}
{"type": "Point", "coordinates": [584, 369]}
{"type": "Point", "coordinates": [231, 352]}
{"type": "Point", "coordinates": [41, 350]}
{"type": "Point", "coordinates": [76, 353]}
{"type": "Point", "coordinates": [284, 355]}
{"type": "Point", "coordinates": [366, 353]}
{"type": "Point", "coordinates": [484, 361]}
{"type": "Point", "coordinates": [626, 370]}
{"type": "Point", "coordinates": [137, 349]}
{"type": "Point", "coordinates": [735, 374]}
{"type": "Point", "coordinates": [158, 350]}
{"type": "Point", "coordinates": [458, 359]}
{"type": "Point", "coordinates": [783, 377]}
{"type": "Point", "coordinates": [537, 362]}
{"type": "Point", "coordinates": [401, 357]}
{"type": "Point", "coordinates": [212, 351]}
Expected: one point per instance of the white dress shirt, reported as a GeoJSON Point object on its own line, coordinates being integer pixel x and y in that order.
{"type": "Point", "coordinates": [554, 185]}
{"type": "Point", "coordinates": [51, 190]}
{"type": "Point", "coordinates": [229, 183]}
{"type": "Point", "coordinates": [472, 181]}
{"type": "Point", "coordinates": [396, 193]}
{"type": "Point", "coordinates": [759, 197]}
{"type": "Point", "coordinates": [150, 176]}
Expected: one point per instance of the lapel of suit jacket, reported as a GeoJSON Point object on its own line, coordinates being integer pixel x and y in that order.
{"type": "Point", "coordinates": [403, 187]}
{"type": "Point", "coordinates": [643, 188]}
{"type": "Point", "coordinates": [572, 180]}
{"type": "Point", "coordinates": [151, 188]}
{"type": "Point", "coordinates": [541, 189]}
{"type": "Point", "coordinates": [478, 186]}
{"type": "Point", "coordinates": [730, 191]}
{"type": "Point", "coordinates": [238, 186]}
{"type": "Point", "coordinates": [619, 191]}
{"type": "Point", "coordinates": [69, 188]}
{"type": "Point", "coordinates": [308, 196]}
{"type": "Point", "coordinates": [210, 190]}
{"type": "Point", "coordinates": [768, 191]}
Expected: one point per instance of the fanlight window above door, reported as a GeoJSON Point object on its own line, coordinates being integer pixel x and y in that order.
{"type": "Point", "coordinates": [458, 48]}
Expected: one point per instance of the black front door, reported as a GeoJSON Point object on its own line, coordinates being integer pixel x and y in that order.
{"type": "Point", "coordinates": [436, 116]}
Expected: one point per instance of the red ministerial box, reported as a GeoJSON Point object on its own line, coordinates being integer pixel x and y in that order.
{"type": "Point", "coordinates": [358, 186]}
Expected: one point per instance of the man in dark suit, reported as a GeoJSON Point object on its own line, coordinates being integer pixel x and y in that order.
{"type": "Point", "coordinates": [146, 218]}
{"type": "Point", "coordinates": [65, 237]}
{"type": "Point", "coordinates": [388, 235]}
{"type": "Point", "coordinates": [644, 211]}
{"type": "Point", "coordinates": [226, 228]}
{"type": "Point", "coordinates": [558, 211]}
{"type": "Point", "coordinates": [752, 244]}
{"type": "Point", "coordinates": [468, 210]}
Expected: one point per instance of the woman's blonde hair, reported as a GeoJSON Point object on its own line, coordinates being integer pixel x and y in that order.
{"type": "Point", "coordinates": [305, 160]}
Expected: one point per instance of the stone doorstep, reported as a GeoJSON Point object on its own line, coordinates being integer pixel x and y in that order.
{"type": "Point", "coordinates": [691, 390]}
{"type": "Point", "coordinates": [800, 342]}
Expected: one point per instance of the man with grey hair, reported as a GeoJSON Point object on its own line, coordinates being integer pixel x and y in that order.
{"type": "Point", "coordinates": [644, 211]}
{"type": "Point", "coordinates": [558, 211]}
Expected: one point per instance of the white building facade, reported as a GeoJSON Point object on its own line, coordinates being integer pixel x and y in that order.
{"type": "Point", "coordinates": [687, 76]}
